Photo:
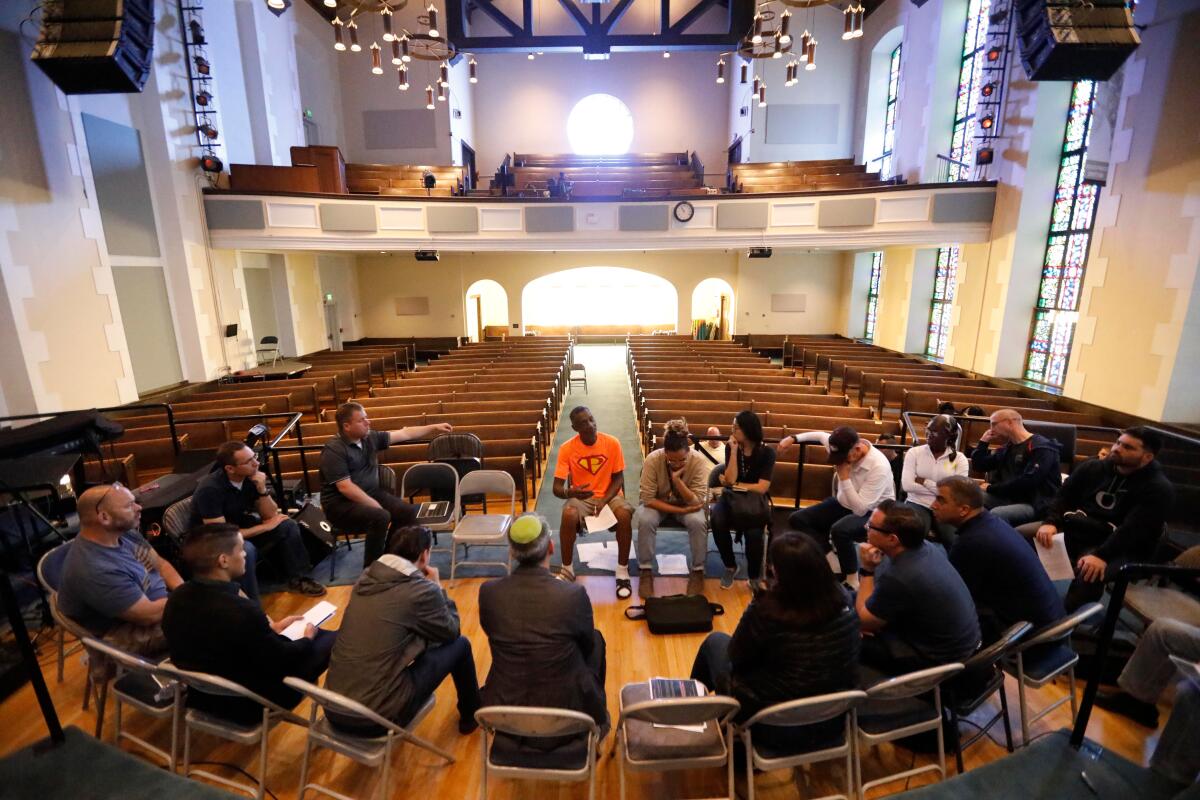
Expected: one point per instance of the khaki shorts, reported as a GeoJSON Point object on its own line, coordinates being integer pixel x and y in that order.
{"type": "Point", "coordinates": [616, 504]}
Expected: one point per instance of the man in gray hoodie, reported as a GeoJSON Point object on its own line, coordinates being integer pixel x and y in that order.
{"type": "Point", "coordinates": [400, 638]}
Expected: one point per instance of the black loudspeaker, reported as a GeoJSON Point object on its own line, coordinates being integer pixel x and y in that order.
{"type": "Point", "coordinates": [1064, 40]}
{"type": "Point", "coordinates": [96, 46]}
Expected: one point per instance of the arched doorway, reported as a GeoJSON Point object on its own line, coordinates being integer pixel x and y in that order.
{"type": "Point", "coordinates": [487, 310]}
{"type": "Point", "coordinates": [599, 300]}
{"type": "Point", "coordinates": [712, 309]}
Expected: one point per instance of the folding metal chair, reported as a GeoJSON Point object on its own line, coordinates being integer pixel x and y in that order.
{"type": "Point", "coordinates": [49, 574]}
{"type": "Point", "coordinates": [256, 733]}
{"type": "Point", "coordinates": [439, 481]}
{"type": "Point", "coordinates": [895, 709]}
{"type": "Point", "coordinates": [807, 711]}
{"type": "Point", "coordinates": [646, 743]}
{"type": "Point", "coordinates": [1043, 657]}
{"type": "Point", "coordinates": [981, 678]}
{"type": "Point", "coordinates": [156, 690]}
{"type": "Point", "coordinates": [574, 378]}
{"type": "Point", "coordinates": [484, 530]}
{"type": "Point", "coordinates": [501, 729]}
{"type": "Point", "coordinates": [370, 751]}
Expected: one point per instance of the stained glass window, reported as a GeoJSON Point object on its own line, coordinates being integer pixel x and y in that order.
{"type": "Point", "coordinates": [889, 117]}
{"type": "Point", "coordinates": [1071, 222]}
{"type": "Point", "coordinates": [944, 280]}
{"type": "Point", "coordinates": [873, 291]}
{"type": "Point", "coordinates": [970, 74]}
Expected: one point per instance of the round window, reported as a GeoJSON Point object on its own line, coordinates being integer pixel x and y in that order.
{"type": "Point", "coordinates": [600, 124]}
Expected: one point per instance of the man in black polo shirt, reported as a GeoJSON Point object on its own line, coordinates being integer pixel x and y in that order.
{"type": "Point", "coordinates": [236, 493]}
{"type": "Point", "coordinates": [351, 496]}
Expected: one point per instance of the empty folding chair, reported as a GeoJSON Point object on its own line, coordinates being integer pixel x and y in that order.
{"type": "Point", "coordinates": [981, 678]}
{"type": "Point", "coordinates": [154, 689]}
{"type": "Point", "coordinates": [370, 751]}
{"type": "Point", "coordinates": [249, 734]}
{"type": "Point", "coordinates": [1044, 656]}
{"type": "Point", "coordinates": [440, 482]}
{"type": "Point", "coordinates": [49, 574]}
{"type": "Point", "coordinates": [502, 729]}
{"type": "Point", "coordinates": [646, 742]}
{"type": "Point", "coordinates": [895, 709]}
{"type": "Point", "coordinates": [269, 346]}
{"type": "Point", "coordinates": [577, 374]}
{"type": "Point", "coordinates": [484, 530]}
{"type": "Point", "coordinates": [798, 714]}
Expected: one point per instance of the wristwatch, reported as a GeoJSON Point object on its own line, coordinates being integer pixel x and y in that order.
{"type": "Point", "coordinates": [865, 573]}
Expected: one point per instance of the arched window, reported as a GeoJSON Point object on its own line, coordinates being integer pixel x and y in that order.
{"type": "Point", "coordinates": [970, 75]}
{"type": "Point", "coordinates": [873, 292]}
{"type": "Point", "coordinates": [600, 125]}
{"type": "Point", "coordinates": [944, 278]}
{"type": "Point", "coordinates": [889, 115]}
{"type": "Point", "coordinates": [1071, 223]}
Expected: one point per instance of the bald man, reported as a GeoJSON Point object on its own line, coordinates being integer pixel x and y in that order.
{"type": "Point", "coordinates": [114, 583]}
{"type": "Point", "coordinates": [1023, 469]}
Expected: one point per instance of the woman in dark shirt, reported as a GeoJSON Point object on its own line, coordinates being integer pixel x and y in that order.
{"type": "Point", "coordinates": [797, 638]}
{"type": "Point", "coordinates": [748, 467]}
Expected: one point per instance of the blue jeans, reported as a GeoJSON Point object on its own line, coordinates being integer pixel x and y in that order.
{"type": "Point", "coordinates": [454, 658]}
{"type": "Point", "coordinates": [249, 581]}
{"type": "Point", "coordinates": [831, 522]}
{"type": "Point", "coordinates": [1013, 513]}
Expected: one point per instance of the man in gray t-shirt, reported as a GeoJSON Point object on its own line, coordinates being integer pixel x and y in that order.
{"type": "Point", "coordinates": [113, 582]}
{"type": "Point", "coordinates": [350, 493]}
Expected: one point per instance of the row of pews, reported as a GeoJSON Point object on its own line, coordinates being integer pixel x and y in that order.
{"type": "Point", "coordinates": [634, 175]}
{"type": "Point", "coordinates": [321, 169]}
{"type": "Point", "coordinates": [829, 175]}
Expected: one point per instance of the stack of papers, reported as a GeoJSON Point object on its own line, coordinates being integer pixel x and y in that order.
{"type": "Point", "coordinates": [598, 555]}
{"type": "Point", "coordinates": [1055, 559]}
{"type": "Point", "coordinates": [600, 522]}
{"type": "Point", "coordinates": [673, 564]}
{"type": "Point", "coordinates": [315, 616]}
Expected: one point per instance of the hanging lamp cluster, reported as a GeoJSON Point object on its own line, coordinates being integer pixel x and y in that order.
{"type": "Point", "coordinates": [427, 44]}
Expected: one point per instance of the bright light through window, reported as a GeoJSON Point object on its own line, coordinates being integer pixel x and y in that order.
{"type": "Point", "coordinates": [600, 124]}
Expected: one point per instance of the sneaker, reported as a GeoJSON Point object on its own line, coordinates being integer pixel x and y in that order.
{"type": "Point", "coordinates": [567, 575]}
{"type": "Point", "coordinates": [1129, 706]}
{"type": "Point", "coordinates": [467, 726]}
{"type": "Point", "coordinates": [727, 577]}
{"type": "Point", "coordinates": [645, 583]}
{"type": "Point", "coordinates": [306, 586]}
{"type": "Point", "coordinates": [695, 584]}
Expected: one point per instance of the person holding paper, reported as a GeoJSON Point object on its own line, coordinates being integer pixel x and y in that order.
{"type": "Point", "coordinates": [590, 476]}
{"type": "Point", "coordinates": [1006, 579]}
{"type": "Point", "coordinates": [674, 484]}
{"type": "Point", "coordinates": [400, 638]}
{"type": "Point", "coordinates": [1111, 511]}
{"type": "Point", "coordinates": [1148, 672]}
{"type": "Point", "coordinates": [351, 496]}
{"type": "Point", "coordinates": [211, 627]}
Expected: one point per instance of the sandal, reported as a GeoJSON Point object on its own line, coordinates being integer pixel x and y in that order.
{"type": "Point", "coordinates": [624, 589]}
{"type": "Point", "coordinates": [563, 575]}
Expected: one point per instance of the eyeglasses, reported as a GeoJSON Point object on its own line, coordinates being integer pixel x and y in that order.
{"type": "Point", "coordinates": [884, 531]}
{"type": "Point", "coordinates": [111, 486]}
{"type": "Point", "coordinates": [249, 460]}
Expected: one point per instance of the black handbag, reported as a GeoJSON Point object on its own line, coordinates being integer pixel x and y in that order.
{"type": "Point", "coordinates": [748, 510]}
{"type": "Point", "coordinates": [317, 533]}
{"type": "Point", "coordinates": [677, 613]}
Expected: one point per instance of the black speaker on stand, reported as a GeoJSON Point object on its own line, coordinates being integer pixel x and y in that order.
{"type": "Point", "coordinates": [96, 46]}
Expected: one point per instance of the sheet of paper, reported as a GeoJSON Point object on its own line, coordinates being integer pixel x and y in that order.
{"type": "Point", "coordinates": [1055, 559]}
{"type": "Point", "coordinates": [672, 564]}
{"type": "Point", "coordinates": [687, 691]}
{"type": "Point", "coordinates": [600, 522]}
{"type": "Point", "coordinates": [586, 551]}
{"type": "Point", "coordinates": [606, 562]}
{"type": "Point", "coordinates": [314, 616]}
{"type": "Point", "coordinates": [1189, 669]}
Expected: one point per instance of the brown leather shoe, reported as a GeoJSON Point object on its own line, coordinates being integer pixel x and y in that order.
{"type": "Point", "coordinates": [645, 583]}
{"type": "Point", "coordinates": [695, 584]}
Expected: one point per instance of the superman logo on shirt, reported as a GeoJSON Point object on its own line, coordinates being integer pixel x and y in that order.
{"type": "Point", "coordinates": [592, 464]}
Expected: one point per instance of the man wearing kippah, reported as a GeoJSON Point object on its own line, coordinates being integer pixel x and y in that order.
{"type": "Point", "coordinates": [546, 650]}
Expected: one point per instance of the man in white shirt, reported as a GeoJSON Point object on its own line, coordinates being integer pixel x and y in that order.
{"type": "Point", "coordinates": [927, 464]}
{"type": "Point", "coordinates": [863, 478]}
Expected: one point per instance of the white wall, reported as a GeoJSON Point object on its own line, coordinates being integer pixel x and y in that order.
{"type": "Point", "coordinates": [817, 276]}
{"type": "Point", "coordinates": [317, 74]}
{"type": "Point", "coordinates": [339, 277]}
{"type": "Point", "coordinates": [676, 103]}
{"type": "Point", "coordinates": [826, 92]}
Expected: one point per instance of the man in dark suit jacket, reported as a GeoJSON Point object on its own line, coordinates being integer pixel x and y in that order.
{"type": "Point", "coordinates": [545, 648]}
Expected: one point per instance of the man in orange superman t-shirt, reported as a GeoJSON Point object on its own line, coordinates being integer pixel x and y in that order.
{"type": "Point", "coordinates": [589, 475]}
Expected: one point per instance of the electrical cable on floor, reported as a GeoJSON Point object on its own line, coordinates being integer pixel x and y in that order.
{"type": "Point", "coordinates": [235, 768]}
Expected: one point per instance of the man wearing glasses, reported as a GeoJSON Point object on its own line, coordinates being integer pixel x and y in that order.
{"type": "Point", "coordinates": [236, 493]}
{"type": "Point", "coordinates": [113, 582]}
{"type": "Point", "coordinates": [1110, 511]}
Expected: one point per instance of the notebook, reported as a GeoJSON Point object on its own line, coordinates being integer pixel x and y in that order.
{"type": "Point", "coordinates": [438, 508]}
{"type": "Point", "coordinates": [315, 616]}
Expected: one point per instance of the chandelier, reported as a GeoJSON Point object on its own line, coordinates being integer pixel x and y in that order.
{"type": "Point", "coordinates": [770, 36]}
{"type": "Point", "coordinates": [427, 44]}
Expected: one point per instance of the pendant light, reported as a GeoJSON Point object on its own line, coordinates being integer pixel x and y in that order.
{"type": "Point", "coordinates": [404, 54]}
{"type": "Point", "coordinates": [402, 78]}
{"type": "Point", "coordinates": [355, 47]}
{"type": "Point", "coordinates": [429, 98]}
{"type": "Point", "coordinates": [758, 24]}
{"type": "Point", "coordinates": [743, 81]}
{"type": "Point", "coordinates": [848, 23]}
{"type": "Point", "coordinates": [444, 74]}
{"type": "Point", "coordinates": [338, 26]}
{"type": "Point", "coordinates": [472, 77]}
{"type": "Point", "coordinates": [762, 96]}
{"type": "Point", "coordinates": [376, 59]}
{"type": "Point", "coordinates": [433, 20]}
{"type": "Point", "coordinates": [812, 55]}
{"type": "Point", "coordinates": [721, 70]}
{"type": "Point", "coordinates": [386, 13]}
{"type": "Point", "coordinates": [785, 21]}
{"type": "Point", "coordinates": [396, 59]}
{"type": "Point", "coordinates": [777, 52]}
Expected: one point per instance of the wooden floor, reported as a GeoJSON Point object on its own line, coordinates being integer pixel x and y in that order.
{"type": "Point", "coordinates": [633, 655]}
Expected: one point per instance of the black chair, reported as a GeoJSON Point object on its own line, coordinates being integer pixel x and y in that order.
{"type": "Point", "coordinates": [1063, 433]}
{"type": "Point", "coordinates": [269, 344]}
{"type": "Point", "coordinates": [981, 678]}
